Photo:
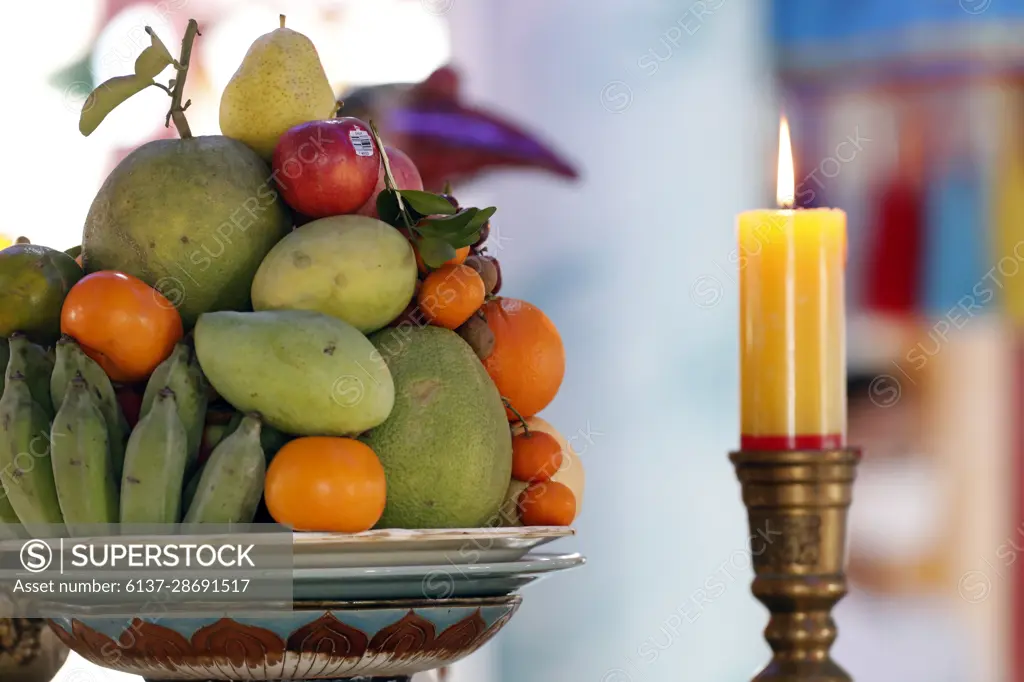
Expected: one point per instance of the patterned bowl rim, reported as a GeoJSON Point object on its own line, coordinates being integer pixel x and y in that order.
{"type": "Point", "coordinates": [374, 604]}
{"type": "Point", "coordinates": [82, 614]}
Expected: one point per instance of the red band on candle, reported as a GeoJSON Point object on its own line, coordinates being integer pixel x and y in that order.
{"type": "Point", "coordinates": [813, 441]}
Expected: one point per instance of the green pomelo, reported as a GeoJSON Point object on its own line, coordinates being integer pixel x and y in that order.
{"type": "Point", "coordinates": [446, 448]}
{"type": "Point", "coordinates": [306, 373]}
{"type": "Point", "coordinates": [192, 218]}
{"type": "Point", "coordinates": [34, 281]}
{"type": "Point", "coordinates": [358, 269]}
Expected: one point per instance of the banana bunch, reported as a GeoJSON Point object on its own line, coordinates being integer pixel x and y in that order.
{"type": "Point", "coordinates": [26, 472]}
{"type": "Point", "coordinates": [68, 457]}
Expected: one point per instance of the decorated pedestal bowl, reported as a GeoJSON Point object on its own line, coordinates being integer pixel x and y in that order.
{"type": "Point", "coordinates": [382, 640]}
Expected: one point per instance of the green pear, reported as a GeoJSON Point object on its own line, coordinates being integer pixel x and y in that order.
{"type": "Point", "coordinates": [280, 84]}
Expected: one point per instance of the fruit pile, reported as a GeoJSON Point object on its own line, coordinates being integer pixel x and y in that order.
{"type": "Point", "coordinates": [274, 323]}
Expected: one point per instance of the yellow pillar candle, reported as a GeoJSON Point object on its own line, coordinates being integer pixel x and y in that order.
{"type": "Point", "coordinates": [792, 322]}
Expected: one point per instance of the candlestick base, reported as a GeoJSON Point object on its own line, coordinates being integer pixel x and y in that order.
{"type": "Point", "coordinates": [797, 504]}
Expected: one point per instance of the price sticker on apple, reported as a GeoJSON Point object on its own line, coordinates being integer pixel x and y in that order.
{"type": "Point", "coordinates": [361, 141]}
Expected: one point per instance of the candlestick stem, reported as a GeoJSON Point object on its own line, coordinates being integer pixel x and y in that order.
{"type": "Point", "coordinates": [797, 504]}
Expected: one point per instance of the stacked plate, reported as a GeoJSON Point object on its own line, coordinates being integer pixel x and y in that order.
{"type": "Point", "coordinates": [379, 604]}
{"type": "Point", "coordinates": [425, 564]}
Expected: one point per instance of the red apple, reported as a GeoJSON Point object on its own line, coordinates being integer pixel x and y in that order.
{"type": "Point", "coordinates": [326, 168]}
{"type": "Point", "coordinates": [406, 175]}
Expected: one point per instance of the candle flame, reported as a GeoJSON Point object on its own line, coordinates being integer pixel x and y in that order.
{"type": "Point", "coordinates": [785, 192]}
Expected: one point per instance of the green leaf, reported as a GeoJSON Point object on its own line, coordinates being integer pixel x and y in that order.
{"type": "Point", "coordinates": [428, 229]}
{"type": "Point", "coordinates": [426, 203]}
{"type": "Point", "coordinates": [387, 208]}
{"type": "Point", "coordinates": [105, 99]}
{"type": "Point", "coordinates": [435, 252]}
{"type": "Point", "coordinates": [465, 239]}
{"type": "Point", "coordinates": [153, 59]}
{"type": "Point", "coordinates": [449, 226]}
{"type": "Point", "coordinates": [483, 215]}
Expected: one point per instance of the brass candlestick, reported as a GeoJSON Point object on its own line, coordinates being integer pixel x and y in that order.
{"type": "Point", "coordinates": [797, 504]}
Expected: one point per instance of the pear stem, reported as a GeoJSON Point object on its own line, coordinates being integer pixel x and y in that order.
{"type": "Point", "coordinates": [282, 21]}
{"type": "Point", "coordinates": [177, 111]}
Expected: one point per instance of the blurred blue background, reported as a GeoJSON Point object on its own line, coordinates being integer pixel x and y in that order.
{"type": "Point", "coordinates": [632, 265]}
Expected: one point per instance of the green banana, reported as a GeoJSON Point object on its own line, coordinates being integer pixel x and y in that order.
{"type": "Point", "coordinates": [71, 361]}
{"type": "Point", "coordinates": [25, 469]}
{"type": "Point", "coordinates": [64, 369]}
{"type": "Point", "coordinates": [271, 439]}
{"type": "Point", "coordinates": [180, 372]}
{"type": "Point", "coordinates": [232, 480]}
{"type": "Point", "coordinates": [154, 465]}
{"type": "Point", "coordinates": [7, 514]}
{"type": "Point", "coordinates": [10, 524]}
{"type": "Point", "coordinates": [82, 464]}
{"type": "Point", "coordinates": [36, 365]}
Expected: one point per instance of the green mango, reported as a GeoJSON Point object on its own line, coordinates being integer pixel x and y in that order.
{"type": "Point", "coordinates": [304, 372]}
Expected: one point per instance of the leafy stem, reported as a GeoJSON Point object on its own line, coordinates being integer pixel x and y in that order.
{"type": "Point", "coordinates": [435, 225]}
{"type": "Point", "coordinates": [389, 178]}
{"type": "Point", "coordinates": [177, 111]}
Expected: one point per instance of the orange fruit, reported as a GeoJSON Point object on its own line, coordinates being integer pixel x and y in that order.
{"type": "Point", "coordinates": [122, 323]}
{"type": "Point", "coordinates": [327, 484]}
{"type": "Point", "coordinates": [528, 360]}
{"type": "Point", "coordinates": [536, 456]}
{"type": "Point", "coordinates": [450, 295]}
{"type": "Point", "coordinates": [460, 257]}
{"type": "Point", "coordinates": [547, 504]}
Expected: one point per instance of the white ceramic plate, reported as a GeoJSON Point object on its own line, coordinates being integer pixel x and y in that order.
{"type": "Point", "coordinates": [380, 548]}
{"type": "Point", "coordinates": [399, 547]}
{"type": "Point", "coordinates": [431, 582]}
